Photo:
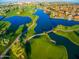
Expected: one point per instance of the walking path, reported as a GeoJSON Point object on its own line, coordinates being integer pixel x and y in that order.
{"type": "Point", "coordinates": [17, 39]}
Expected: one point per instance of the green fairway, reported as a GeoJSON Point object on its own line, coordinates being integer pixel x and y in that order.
{"type": "Point", "coordinates": [70, 34]}
{"type": "Point", "coordinates": [25, 43]}
{"type": "Point", "coordinates": [42, 48]}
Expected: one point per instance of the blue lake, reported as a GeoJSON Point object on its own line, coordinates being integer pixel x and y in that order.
{"type": "Point", "coordinates": [72, 49]}
{"type": "Point", "coordinates": [15, 22]}
{"type": "Point", "coordinates": [1, 17]}
{"type": "Point", "coordinates": [18, 20]}
{"type": "Point", "coordinates": [45, 23]}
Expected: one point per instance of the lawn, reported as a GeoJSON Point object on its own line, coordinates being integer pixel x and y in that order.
{"type": "Point", "coordinates": [70, 35]}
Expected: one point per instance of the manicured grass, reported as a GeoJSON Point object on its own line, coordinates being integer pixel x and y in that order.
{"type": "Point", "coordinates": [42, 48]}
{"type": "Point", "coordinates": [70, 35]}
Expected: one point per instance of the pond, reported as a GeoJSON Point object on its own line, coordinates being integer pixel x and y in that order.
{"type": "Point", "coordinates": [45, 23]}
{"type": "Point", "coordinates": [16, 22]}
{"type": "Point", "coordinates": [1, 17]}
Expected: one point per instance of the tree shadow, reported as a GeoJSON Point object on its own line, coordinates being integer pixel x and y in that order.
{"type": "Point", "coordinates": [10, 32]}
{"type": "Point", "coordinates": [77, 33]}
{"type": "Point", "coordinates": [77, 56]}
{"type": "Point", "coordinates": [12, 29]}
{"type": "Point", "coordinates": [27, 45]}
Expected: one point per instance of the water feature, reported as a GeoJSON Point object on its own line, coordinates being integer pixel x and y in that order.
{"type": "Point", "coordinates": [16, 21]}
{"type": "Point", "coordinates": [72, 49]}
{"type": "Point", "coordinates": [1, 17]}
{"type": "Point", "coordinates": [45, 23]}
